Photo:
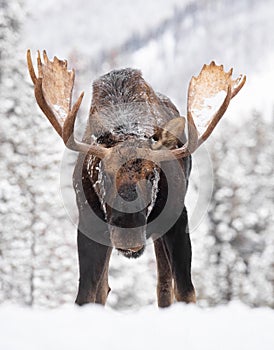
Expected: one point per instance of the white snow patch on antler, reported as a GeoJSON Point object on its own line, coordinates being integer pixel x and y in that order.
{"type": "Point", "coordinates": [203, 116]}
{"type": "Point", "coordinates": [60, 111]}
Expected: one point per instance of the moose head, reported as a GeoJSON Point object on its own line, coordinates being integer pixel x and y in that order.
{"type": "Point", "coordinates": [131, 132]}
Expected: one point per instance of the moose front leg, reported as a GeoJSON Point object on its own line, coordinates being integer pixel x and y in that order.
{"type": "Point", "coordinates": [93, 266]}
{"type": "Point", "coordinates": [178, 244]}
{"type": "Point", "coordinates": [103, 288]}
{"type": "Point", "coordinates": [164, 275]}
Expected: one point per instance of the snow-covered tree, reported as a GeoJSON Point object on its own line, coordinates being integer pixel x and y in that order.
{"type": "Point", "coordinates": [241, 214]}
{"type": "Point", "coordinates": [36, 241]}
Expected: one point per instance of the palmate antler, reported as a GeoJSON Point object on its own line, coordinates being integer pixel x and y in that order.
{"type": "Point", "coordinates": [208, 98]}
{"type": "Point", "coordinates": [53, 92]}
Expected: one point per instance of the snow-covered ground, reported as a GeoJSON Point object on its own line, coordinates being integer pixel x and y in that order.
{"type": "Point", "coordinates": [180, 327]}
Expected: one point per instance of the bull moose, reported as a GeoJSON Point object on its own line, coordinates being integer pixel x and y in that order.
{"type": "Point", "coordinates": [132, 171]}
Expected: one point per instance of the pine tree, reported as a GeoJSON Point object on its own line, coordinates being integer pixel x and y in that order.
{"type": "Point", "coordinates": [241, 214]}
{"type": "Point", "coordinates": [37, 246]}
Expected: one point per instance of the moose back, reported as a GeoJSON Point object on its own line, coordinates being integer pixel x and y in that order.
{"type": "Point", "coordinates": [133, 167]}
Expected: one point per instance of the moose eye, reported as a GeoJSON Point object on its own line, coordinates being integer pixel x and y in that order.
{"type": "Point", "coordinates": [154, 138]}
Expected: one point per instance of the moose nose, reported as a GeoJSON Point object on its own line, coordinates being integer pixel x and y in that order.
{"type": "Point", "coordinates": [128, 241]}
{"type": "Point", "coordinates": [128, 192]}
{"type": "Point", "coordinates": [135, 249]}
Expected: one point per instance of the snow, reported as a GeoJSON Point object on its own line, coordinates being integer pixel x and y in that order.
{"type": "Point", "coordinates": [203, 115]}
{"type": "Point", "coordinates": [60, 111]}
{"type": "Point", "coordinates": [171, 41]}
{"type": "Point", "coordinates": [180, 327]}
{"type": "Point", "coordinates": [96, 24]}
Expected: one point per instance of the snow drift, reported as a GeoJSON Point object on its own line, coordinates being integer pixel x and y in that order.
{"type": "Point", "coordinates": [182, 327]}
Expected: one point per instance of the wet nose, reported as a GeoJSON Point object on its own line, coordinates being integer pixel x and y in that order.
{"type": "Point", "coordinates": [128, 192]}
{"type": "Point", "coordinates": [135, 249]}
{"type": "Point", "coordinates": [130, 239]}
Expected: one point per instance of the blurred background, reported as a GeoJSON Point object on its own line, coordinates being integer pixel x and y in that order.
{"type": "Point", "coordinates": [233, 237]}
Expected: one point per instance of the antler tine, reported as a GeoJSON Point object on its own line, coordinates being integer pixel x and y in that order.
{"type": "Point", "coordinates": [30, 67]}
{"type": "Point", "coordinates": [238, 84]}
{"type": "Point", "coordinates": [71, 142]}
{"type": "Point", "coordinates": [53, 93]}
{"type": "Point", "coordinates": [42, 103]}
{"type": "Point", "coordinates": [45, 57]}
{"type": "Point", "coordinates": [39, 65]}
{"type": "Point", "coordinates": [68, 128]}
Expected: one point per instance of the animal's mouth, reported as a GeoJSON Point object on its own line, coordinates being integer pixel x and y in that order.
{"type": "Point", "coordinates": [129, 242]}
{"type": "Point", "coordinates": [134, 253]}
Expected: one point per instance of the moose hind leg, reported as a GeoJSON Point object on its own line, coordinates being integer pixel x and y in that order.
{"type": "Point", "coordinates": [164, 275]}
{"type": "Point", "coordinates": [93, 258]}
{"type": "Point", "coordinates": [178, 243]}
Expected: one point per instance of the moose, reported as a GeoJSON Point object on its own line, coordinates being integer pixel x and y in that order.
{"type": "Point", "coordinates": [133, 167]}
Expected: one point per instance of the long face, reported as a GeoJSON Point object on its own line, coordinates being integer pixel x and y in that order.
{"type": "Point", "coordinates": [128, 190]}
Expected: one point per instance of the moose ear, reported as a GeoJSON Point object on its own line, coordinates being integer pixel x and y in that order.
{"type": "Point", "coordinates": [170, 135]}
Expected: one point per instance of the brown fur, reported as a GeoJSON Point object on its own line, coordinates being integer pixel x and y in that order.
{"type": "Point", "coordinates": [115, 89]}
{"type": "Point", "coordinates": [165, 294]}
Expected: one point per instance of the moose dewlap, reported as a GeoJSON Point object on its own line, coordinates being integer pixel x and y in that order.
{"type": "Point", "coordinates": [133, 167]}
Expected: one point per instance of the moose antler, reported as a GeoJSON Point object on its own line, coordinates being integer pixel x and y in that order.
{"type": "Point", "coordinates": [208, 98]}
{"type": "Point", "coordinates": [53, 92]}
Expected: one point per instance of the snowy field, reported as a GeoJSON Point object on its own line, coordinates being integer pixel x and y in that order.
{"type": "Point", "coordinates": [180, 327]}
